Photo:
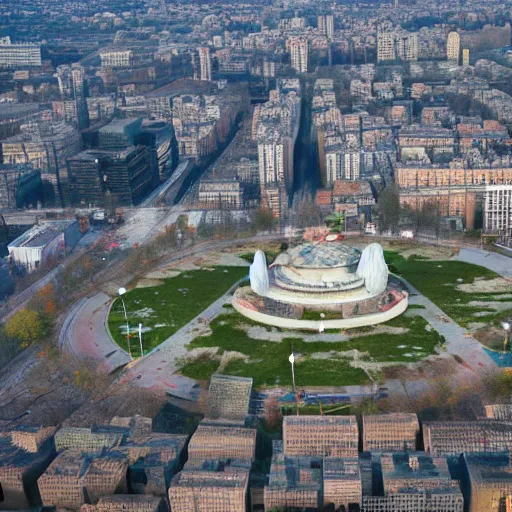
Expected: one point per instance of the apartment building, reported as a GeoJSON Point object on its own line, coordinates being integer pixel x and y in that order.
{"type": "Point", "coordinates": [326, 25]}
{"type": "Point", "coordinates": [390, 432]}
{"type": "Point", "coordinates": [299, 53]}
{"type": "Point", "coordinates": [205, 64]}
{"type": "Point", "coordinates": [397, 45]}
{"type": "Point", "coordinates": [222, 442]}
{"type": "Point", "coordinates": [498, 209]}
{"type": "Point", "coordinates": [116, 58]}
{"type": "Point", "coordinates": [342, 482]}
{"type": "Point", "coordinates": [320, 436]}
{"type": "Point", "coordinates": [453, 47]}
{"type": "Point", "coordinates": [15, 55]}
{"type": "Point", "coordinates": [220, 488]}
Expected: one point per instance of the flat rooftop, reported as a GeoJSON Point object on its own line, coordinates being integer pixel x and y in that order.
{"type": "Point", "coordinates": [42, 234]}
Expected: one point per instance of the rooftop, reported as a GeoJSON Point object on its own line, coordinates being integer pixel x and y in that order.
{"type": "Point", "coordinates": [42, 234]}
{"type": "Point", "coordinates": [322, 255]}
{"type": "Point", "coordinates": [351, 188]}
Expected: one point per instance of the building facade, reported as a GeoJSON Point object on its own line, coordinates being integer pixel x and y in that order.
{"type": "Point", "coordinates": [453, 47]}
{"type": "Point", "coordinates": [205, 63]}
{"type": "Point", "coordinates": [320, 436]}
{"type": "Point", "coordinates": [498, 209]}
{"type": "Point", "coordinates": [19, 55]}
{"type": "Point", "coordinates": [299, 53]}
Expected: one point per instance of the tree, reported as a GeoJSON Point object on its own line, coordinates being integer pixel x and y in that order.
{"type": "Point", "coordinates": [272, 412]}
{"type": "Point", "coordinates": [263, 220]}
{"type": "Point", "coordinates": [388, 208]}
{"type": "Point", "coordinates": [27, 326]}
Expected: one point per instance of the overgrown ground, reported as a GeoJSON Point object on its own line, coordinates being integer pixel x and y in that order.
{"type": "Point", "coordinates": [319, 363]}
{"type": "Point", "coordinates": [438, 280]}
{"type": "Point", "coordinates": [164, 309]}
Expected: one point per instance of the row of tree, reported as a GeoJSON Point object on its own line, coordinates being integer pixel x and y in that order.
{"type": "Point", "coordinates": [392, 215]}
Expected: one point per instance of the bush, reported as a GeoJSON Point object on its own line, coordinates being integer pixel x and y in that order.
{"type": "Point", "coordinates": [27, 326]}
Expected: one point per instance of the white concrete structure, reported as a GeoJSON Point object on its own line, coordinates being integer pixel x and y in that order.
{"type": "Point", "coordinates": [258, 274]}
{"type": "Point", "coordinates": [319, 277]}
{"type": "Point", "coordinates": [40, 244]}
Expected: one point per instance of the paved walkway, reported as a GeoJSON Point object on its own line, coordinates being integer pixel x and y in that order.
{"type": "Point", "coordinates": [84, 334]}
{"type": "Point", "coordinates": [458, 342]}
{"type": "Point", "coordinates": [158, 369]}
{"type": "Point", "coordinates": [493, 261]}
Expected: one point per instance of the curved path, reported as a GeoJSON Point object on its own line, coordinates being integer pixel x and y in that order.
{"type": "Point", "coordinates": [493, 261]}
{"type": "Point", "coordinates": [84, 333]}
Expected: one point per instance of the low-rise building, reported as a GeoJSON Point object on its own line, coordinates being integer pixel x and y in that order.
{"type": "Point", "coordinates": [219, 488]}
{"type": "Point", "coordinates": [127, 503]}
{"type": "Point", "coordinates": [488, 481]}
{"type": "Point", "coordinates": [499, 411]}
{"type": "Point", "coordinates": [294, 482]}
{"type": "Point", "coordinates": [456, 437]}
{"type": "Point", "coordinates": [229, 397]}
{"type": "Point", "coordinates": [222, 442]}
{"type": "Point", "coordinates": [320, 436]}
{"type": "Point", "coordinates": [25, 453]}
{"type": "Point", "coordinates": [390, 432]}
{"type": "Point", "coordinates": [74, 478]}
{"type": "Point", "coordinates": [20, 186]}
{"type": "Point", "coordinates": [342, 482]}
{"type": "Point", "coordinates": [89, 440]}
{"type": "Point", "coordinates": [43, 244]}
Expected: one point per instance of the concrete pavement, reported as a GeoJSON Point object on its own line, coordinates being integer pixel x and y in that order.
{"type": "Point", "coordinates": [84, 334]}
{"type": "Point", "coordinates": [493, 261]}
{"type": "Point", "coordinates": [458, 342]}
{"type": "Point", "coordinates": [158, 370]}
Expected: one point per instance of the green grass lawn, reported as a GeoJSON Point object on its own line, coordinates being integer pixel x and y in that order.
{"type": "Point", "coordinates": [168, 307]}
{"type": "Point", "coordinates": [268, 361]}
{"type": "Point", "coordinates": [437, 280]}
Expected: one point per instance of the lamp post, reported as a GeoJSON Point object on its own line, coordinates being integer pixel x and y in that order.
{"type": "Point", "coordinates": [321, 327]}
{"type": "Point", "coordinates": [140, 341]}
{"type": "Point", "coordinates": [121, 292]}
{"type": "Point", "coordinates": [506, 342]}
{"type": "Point", "coordinates": [292, 362]}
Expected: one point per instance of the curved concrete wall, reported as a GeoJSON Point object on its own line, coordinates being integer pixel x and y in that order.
{"type": "Point", "coordinates": [314, 325]}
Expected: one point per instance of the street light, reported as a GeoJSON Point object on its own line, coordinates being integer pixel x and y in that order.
{"type": "Point", "coordinates": [506, 326]}
{"type": "Point", "coordinates": [321, 327]}
{"type": "Point", "coordinates": [140, 341]}
{"type": "Point", "coordinates": [292, 362]}
{"type": "Point", "coordinates": [121, 292]}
